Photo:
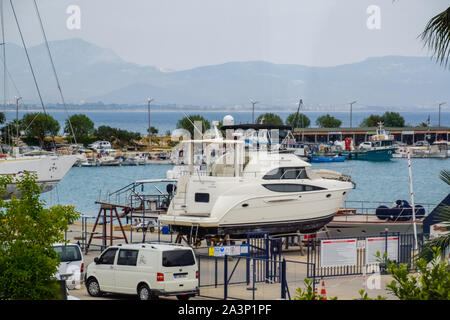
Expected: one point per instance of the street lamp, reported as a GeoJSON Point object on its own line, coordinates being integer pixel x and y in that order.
{"type": "Point", "coordinates": [149, 128]}
{"type": "Point", "coordinates": [440, 104]}
{"type": "Point", "coordinates": [253, 109]}
{"type": "Point", "coordinates": [351, 107]}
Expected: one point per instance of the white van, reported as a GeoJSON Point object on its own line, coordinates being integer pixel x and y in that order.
{"type": "Point", "coordinates": [148, 270]}
{"type": "Point", "coordinates": [71, 265]}
{"type": "Point", "coordinates": [100, 145]}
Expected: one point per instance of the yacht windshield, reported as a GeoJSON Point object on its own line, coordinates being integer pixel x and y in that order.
{"type": "Point", "coordinates": [286, 173]}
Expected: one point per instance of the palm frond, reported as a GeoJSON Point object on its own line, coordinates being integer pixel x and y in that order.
{"type": "Point", "coordinates": [436, 37]}
{"type": "Point", "coordinates": [445, 176]}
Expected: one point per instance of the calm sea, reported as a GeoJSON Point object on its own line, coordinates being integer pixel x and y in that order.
{"type": "Point", "coordinates": [137, 121]}
{"type": "Point", "coordinates": [375, 181]}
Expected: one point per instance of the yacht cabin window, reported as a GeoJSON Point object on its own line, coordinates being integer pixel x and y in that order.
{"type": "Point", "coordinates": [286, 173]}
{"type": "Point", "coordinates": [290, 187]}
{"type": "Point", "coordinates": [202, 197]}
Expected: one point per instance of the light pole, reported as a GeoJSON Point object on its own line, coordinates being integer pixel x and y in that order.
{"type": "Point", "coordinates": [17, 119]}
{"type": "Point", "coordinates": [149, 128]}
{"type": "Point", "coordinates": [440, 104]}
{"type": "Point", "coordinates": [253, 110]}
{"type": "Point", "coordinates": [351, 107]}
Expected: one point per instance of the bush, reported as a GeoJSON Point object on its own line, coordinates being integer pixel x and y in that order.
{"type": "Point", "coordinates": [28, 231]}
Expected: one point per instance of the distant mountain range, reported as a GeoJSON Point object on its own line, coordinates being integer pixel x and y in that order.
{"type": "Point", "coordinates": [89, 73]}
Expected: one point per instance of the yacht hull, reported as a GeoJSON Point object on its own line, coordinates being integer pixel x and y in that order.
{"type": "Point", "coordinates": [49, 170]}
{"type": "Point", "coordinates": [241, 230]}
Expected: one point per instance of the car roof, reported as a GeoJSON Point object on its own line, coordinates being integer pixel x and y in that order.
{"type": "Point", "coordinates": [153, 245]}
{"type": "Point", "coordinates": [60, 244]}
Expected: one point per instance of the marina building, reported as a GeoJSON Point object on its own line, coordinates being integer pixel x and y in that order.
{"type": "Point", "coordinates": [408, 135]}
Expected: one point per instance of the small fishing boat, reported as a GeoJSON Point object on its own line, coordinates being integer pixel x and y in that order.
{"type": "Point", "coordinates": [380, 147]}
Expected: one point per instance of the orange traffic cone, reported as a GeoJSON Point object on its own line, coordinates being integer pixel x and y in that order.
{"type": "Point", "coordinates": [323, 291]}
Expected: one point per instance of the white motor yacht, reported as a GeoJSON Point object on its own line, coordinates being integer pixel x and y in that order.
{"type": "Point", "coordinates": [243, 191]}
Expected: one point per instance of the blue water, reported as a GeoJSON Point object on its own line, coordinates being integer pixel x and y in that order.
{"type": "Point", "coordinates": [137, 120]}
{"type": "Point", "coordinates": [375, 181]}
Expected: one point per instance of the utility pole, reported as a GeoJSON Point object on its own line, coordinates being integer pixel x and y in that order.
{"type": "Point", "coordinates": [351, 107]}
{"type": "Point", "coordinates": [149, 127]}
{"type": "Point", "coordinates": [440, 104]}
{"type": "Point", "coordinates": [253, 110]}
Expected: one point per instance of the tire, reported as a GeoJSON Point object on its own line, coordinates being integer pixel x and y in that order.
{"type": "Point", "coordinates": [144, 293]}
{"type": "Point", "coordinates": [93, 288]}
{"type": "Point", "coordinates": [152, 229]}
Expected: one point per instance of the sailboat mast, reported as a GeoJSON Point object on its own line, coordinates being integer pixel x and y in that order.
{"type": "Point", "coordinates": [412, 202]}
{"type": "Point", "coordinates": [4, 53]}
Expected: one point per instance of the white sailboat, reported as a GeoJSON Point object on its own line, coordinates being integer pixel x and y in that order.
{"type": "Point", "coordinates": [49, 169]}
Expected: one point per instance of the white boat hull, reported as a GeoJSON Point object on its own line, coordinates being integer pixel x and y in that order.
{"type": "Point", "coordinates": [242, 207]}
{"type": "Point", "coordinates": [49, 170]}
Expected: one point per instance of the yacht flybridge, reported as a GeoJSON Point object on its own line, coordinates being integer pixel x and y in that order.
{"type": "Point", "coordinates": [238, 190]}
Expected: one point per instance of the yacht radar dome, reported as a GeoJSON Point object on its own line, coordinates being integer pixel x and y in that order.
{"type": "Point", "coordinates": [228, 120]}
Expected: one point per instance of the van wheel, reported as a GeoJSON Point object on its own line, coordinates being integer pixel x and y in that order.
{"type": "Point", "coordinates": [93, 288]}
{"type": "Point", "coordinates": [144, 293]}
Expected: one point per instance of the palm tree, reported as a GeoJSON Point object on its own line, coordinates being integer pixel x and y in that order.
{"type": "Point", "coordinates": [443, 241]}
{"type": "Point", "coordinates": [436, 37]}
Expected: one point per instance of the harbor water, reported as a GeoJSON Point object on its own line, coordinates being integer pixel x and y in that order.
{"type": "Point", "coordinates": [385, 181]}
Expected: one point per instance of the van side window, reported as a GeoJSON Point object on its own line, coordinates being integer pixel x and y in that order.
{"type": "Point", "coordinates": [127, 257]}
{"type": "Point", "coordinates": [108, 256]}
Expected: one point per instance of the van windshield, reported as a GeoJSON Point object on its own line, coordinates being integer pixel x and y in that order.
{"type": "Point", "coordinates": [68, 253]}
{"type": "Point", "coordinates": [178, 258]}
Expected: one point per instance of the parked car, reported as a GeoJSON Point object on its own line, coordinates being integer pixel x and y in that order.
{"type": "Point", "coordinates": [72, 264]}
{"type": "Point", "coordinates": [421, 143]}
{"type": "Point", "coordinates": [149, 270]}
{"type": "Point", "coordinates": [100, 145]}
{"type": "Point", "coordinates": [145, 226]}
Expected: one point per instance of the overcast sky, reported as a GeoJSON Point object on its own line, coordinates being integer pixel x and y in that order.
{"type": "Point", "coordinates": [182, 34]}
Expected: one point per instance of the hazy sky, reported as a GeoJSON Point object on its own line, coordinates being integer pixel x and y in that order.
{"type": "Point", "coordinates": [181, 34]}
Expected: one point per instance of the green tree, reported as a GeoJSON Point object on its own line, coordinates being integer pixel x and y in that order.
{"type": "Point", "coordinates": [298, 120]}
{"type": "Point", "coordinates": [117, 137]}
{"type": "Point", "coordinates": [28, 231]}
{"type": "Point", "coordinates": [436, 36]}
{"type": "Point", "coordinates": [82, 126]}
{"type": "Point", "coordinates": [431, 282]}
{"type": "Point", "coordinates": [2, 118]}
{"type": "Point", "coordinates": [328, 121]}
{"type": "Point", "coordinates": [153, 130]}
{"type": "Point", "coordinates": [269, 118]}
{"type": "Point", "coordinates": [393, 119]}
{"type": "Point", "coordinates": [371, 121]}
{"type": "Point", "coordinates": [187, 123]}
{"type": "Point", "coordinates": [38, 126]}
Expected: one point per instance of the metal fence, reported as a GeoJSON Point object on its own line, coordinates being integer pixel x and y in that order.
{"type": "Point", "coordinates": [246, 277]}
{"type": "Point", "coordinates": [406, 248]}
